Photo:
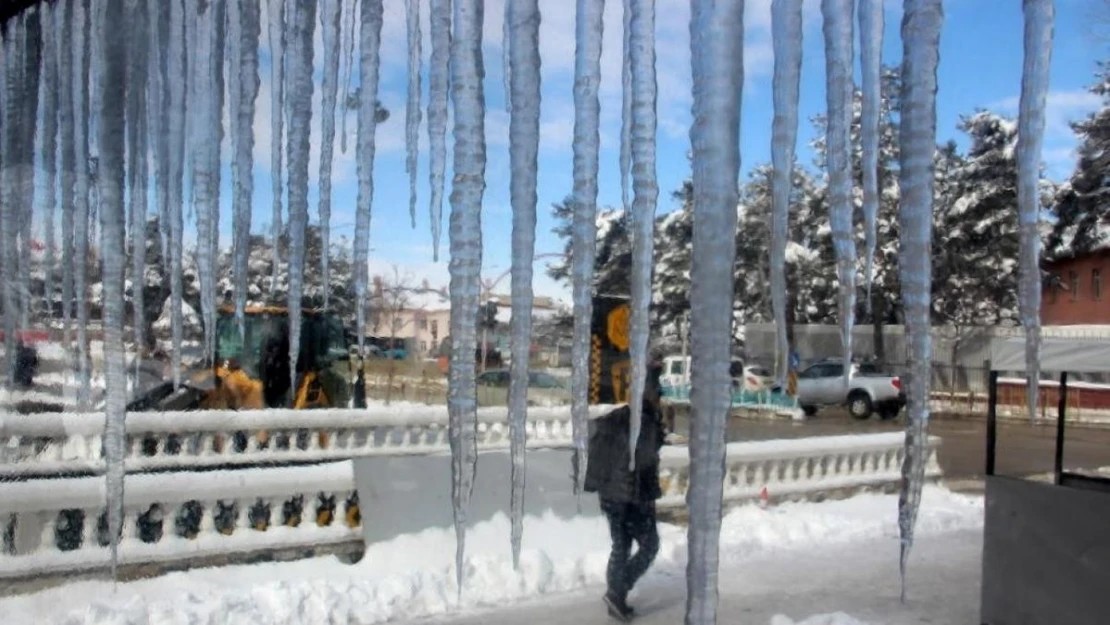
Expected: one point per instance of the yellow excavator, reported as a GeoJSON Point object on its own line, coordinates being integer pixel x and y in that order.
{"type": "Point", "coordinates": [251, 368]}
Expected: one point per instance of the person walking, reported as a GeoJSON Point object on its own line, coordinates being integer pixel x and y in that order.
{"type": "Point", "coordinates": [627, 497]}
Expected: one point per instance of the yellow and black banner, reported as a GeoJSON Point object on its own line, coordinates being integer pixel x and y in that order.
{"type": "Point", "coordinates": [610, 361]}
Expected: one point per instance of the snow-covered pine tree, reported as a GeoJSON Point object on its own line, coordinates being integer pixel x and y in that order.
{"type": "Point", "coordinates": [1081, 206]}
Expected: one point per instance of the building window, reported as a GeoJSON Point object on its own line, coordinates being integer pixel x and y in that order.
{"type": "Point", "coordinates": [1096, 284]}
{"type": "Point", "coordinates": [423, 346]}
{"type": "Point", "coordinates": [423, 324]}
{"type": "Point", "coordinates": [1073, 284]}
{"type": "Point", "coordinates": [397, 323]}
{"type": "Point", "coordinates": [1053, 287]}
{"type": "Point", "coordinates": [435, 327]}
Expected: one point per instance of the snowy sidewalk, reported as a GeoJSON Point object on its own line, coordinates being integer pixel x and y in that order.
{"type": "Point", "coordinates": [858, 580]}
{"type": "Point", "coordinates": [797, 559]}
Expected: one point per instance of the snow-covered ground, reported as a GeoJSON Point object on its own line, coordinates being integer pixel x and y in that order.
{"type": "Point", "coordinates": [789, 561]}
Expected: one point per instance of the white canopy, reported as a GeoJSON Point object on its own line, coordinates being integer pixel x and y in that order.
{"type": "Point", "coordinates": [1074, 355]}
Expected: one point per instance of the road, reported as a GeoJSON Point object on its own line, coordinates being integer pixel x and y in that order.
{"type": "Point", "coordinates": [1022, 450]}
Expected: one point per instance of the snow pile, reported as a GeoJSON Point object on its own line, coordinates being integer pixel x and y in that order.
{"type": "Point", "coordinates": [413, 576]}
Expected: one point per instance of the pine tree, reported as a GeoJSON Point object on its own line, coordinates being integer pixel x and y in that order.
{"type": "Point", "coordinates": [1081, 204]}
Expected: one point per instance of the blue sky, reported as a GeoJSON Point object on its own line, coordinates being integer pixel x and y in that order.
{"type": "Point", "coordinates": [981, 60]}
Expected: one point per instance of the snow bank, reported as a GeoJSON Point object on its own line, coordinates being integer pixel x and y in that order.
{"type": "Point", "coordinates": [412, 576]}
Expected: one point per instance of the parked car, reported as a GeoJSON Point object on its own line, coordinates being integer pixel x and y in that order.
{"type": "Point", "coordinates": [544, 389]}
{"type": "Point", "coordinates": [868, 391]}
{"type": "Point", "coordinates": [751, 378]}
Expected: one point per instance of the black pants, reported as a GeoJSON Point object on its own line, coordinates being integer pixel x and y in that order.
{"type": "Point", "coordinates": [630, 522]}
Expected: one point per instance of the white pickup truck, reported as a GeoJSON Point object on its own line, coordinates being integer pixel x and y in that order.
{"type": "Point", "coordinates": [868, 390]}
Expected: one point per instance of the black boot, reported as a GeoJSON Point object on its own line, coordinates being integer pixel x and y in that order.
{"type": "Point", "coordinates": [618, 608]}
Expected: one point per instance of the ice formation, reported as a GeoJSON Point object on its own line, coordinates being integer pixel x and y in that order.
{"type": "Point", "coordinates": [1039, 24]}
{"type": "Point", "coordinates": [786, 38]}
{"type": "Point", "coordinates": [587, 141]}
{"type": "Point", "coordinates": [920, 40]}
{"type": "Point", "coordinates": [717, 63]}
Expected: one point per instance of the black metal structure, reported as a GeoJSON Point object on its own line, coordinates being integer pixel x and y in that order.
{"type": "Point", "coordinates": [11, 8]}
{"type": "Point", "coordinates": [1046, 554]}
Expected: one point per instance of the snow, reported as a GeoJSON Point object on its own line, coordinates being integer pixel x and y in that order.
{"type": "Point", "coordinates": [411, 576]}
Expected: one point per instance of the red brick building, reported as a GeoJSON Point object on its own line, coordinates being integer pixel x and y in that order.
{"type": "Point", "coordinates": [1078, 290]}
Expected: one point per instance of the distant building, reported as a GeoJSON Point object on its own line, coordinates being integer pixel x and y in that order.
{"type": "Point", "coordinates": [1075, 292]}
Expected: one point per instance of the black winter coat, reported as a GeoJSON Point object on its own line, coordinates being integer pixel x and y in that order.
{"type": "Point", "coordinates": [607, 472]}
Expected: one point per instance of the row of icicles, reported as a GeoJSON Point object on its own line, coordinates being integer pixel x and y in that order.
{"type": "Point", "coordinates": [119, 123]}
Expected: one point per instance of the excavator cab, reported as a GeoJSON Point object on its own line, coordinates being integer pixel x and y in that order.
{"type": "Point", "coordinates": [251, 368]}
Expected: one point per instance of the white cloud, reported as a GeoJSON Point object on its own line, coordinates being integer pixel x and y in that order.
{"type": "Point", "coordinates": [1061, 108]}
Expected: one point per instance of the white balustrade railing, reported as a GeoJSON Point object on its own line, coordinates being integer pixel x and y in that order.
{"type": "Point", "coordinates": [57, 525]}
{"type": "Point", "coordinates": [67, 443]}
{"type": "Point", "coordinates": [791, 468]}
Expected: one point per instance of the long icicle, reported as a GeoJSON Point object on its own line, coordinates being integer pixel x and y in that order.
{"type": "Point", "coordinates": [786, 37]}
{"type": "Point", "coordinates": [645, 191]}
{"type": "Point", "coordinates": [137, 171]}
{"type": "Point", "coordinates": [524, 142]}
{"type": "Point", "coordinates": [587, 141]}
{"type": "Point", "coordinates": [204, 141]}
{"type": "Point", "coordinates": [29, 105]}
{"type": "Point", "coordinates": [49, 147]}
{"type": "Point", "coordinates": [839, 86]}
{"type": "Point", "coordinates": [412, 105]}
{"type": "Point", "coordinates": [1040, 16]}
{"type": "Point", "coordinates": [369, 63]}
{"type": "Point", "coordinates": [626, 104]}
{"type": "Point", "coordinates": [440, 18]}
{"type": "Point", "coordinates": [276, 32]}
{"type": "Point", "coordinates": [158, 126]}
{"type": "Point", "coordinates": [921, 24]}
{"type": "Point", "coordinates": [349, 63]}
{"type": "Point", "coordinates": [871, 57]}
{"type": "Point", "coordinates": [177, 73]}
{"type": "Point", "coordinates": [67, 177]}
{"type": "Point", "coordinates": [300, 107]}
{"type": "Point", "coordinates": [717, 60]}
{"type": "Point", "coordinates": [113, 77]}
{"type": "Point", "coordinates": [330, 13]}
{"type": "Point", "coordinates": [80, 94]}
{"type": "Point", "coordinates": [468, 187]}
{"type": "Point", "coordinates": [244, 21]}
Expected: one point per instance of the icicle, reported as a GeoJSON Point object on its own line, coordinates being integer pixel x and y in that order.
{"type": "Point", "coordinates": [587, 111]}
{"type": "Point", "coordinates": [467, 189]}
{"type": "Point", "coordinates": [506, 61]}
{"type": "Point", "coordinates": [1040, 16]}
{"type": "Point", "coordinates": [29, 112]}
{"type": "Point", "coordinates": [349, 53]}
{"type": "Point", "coordinates": [219, 45]}
{"type": "Point", "coordinates": [786, 35]}
{"type": "Point", "coordinates": [49, 146]}
{"type": "Point", "coordinates": [412, 108]}
{"type": "Point", "coordinates": [137, 174]}
{"type": "Point", "coordinates": [717, 62]}
{"type": "Point", "coordinates": [330, 12]}
{"type": "Point", "coordinates": [113, 73]}
{"type": "Point", "coordinates": [626, 106]}
{"type": "Point", "coordinates": [277, 112]}
{"type": "Point", "coordinates": [157, 126]}
{"type": "Point", "coordinates": [176, 79]}
{"type": "Point", "coordinates": [66, 51]}
{"type": "Point", "coordinates": [523, 20]}
{"type": "Point", "coordinates": [645, 193]}
{"type": "Point", "coordinates": [871, 56]}
{"type": "Point", "coordinates": [15, 167]}
{"type": "Point", "coordinates": [920, 39]}
{"type": "Point", "coordinates": [244, 21]}
{"type": "Point", "coordinates": [80, 46]}
{"type": "Point", "coordinates": [300, 106]}
{"type": "Point", "coordinates": [839, 87]}
{"type": "Point", "coordinates": [369, 62]}
{"type": "Point", "coordinates": [204, 144]}
{"type": "Point", "coordinates": [440, 18]}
